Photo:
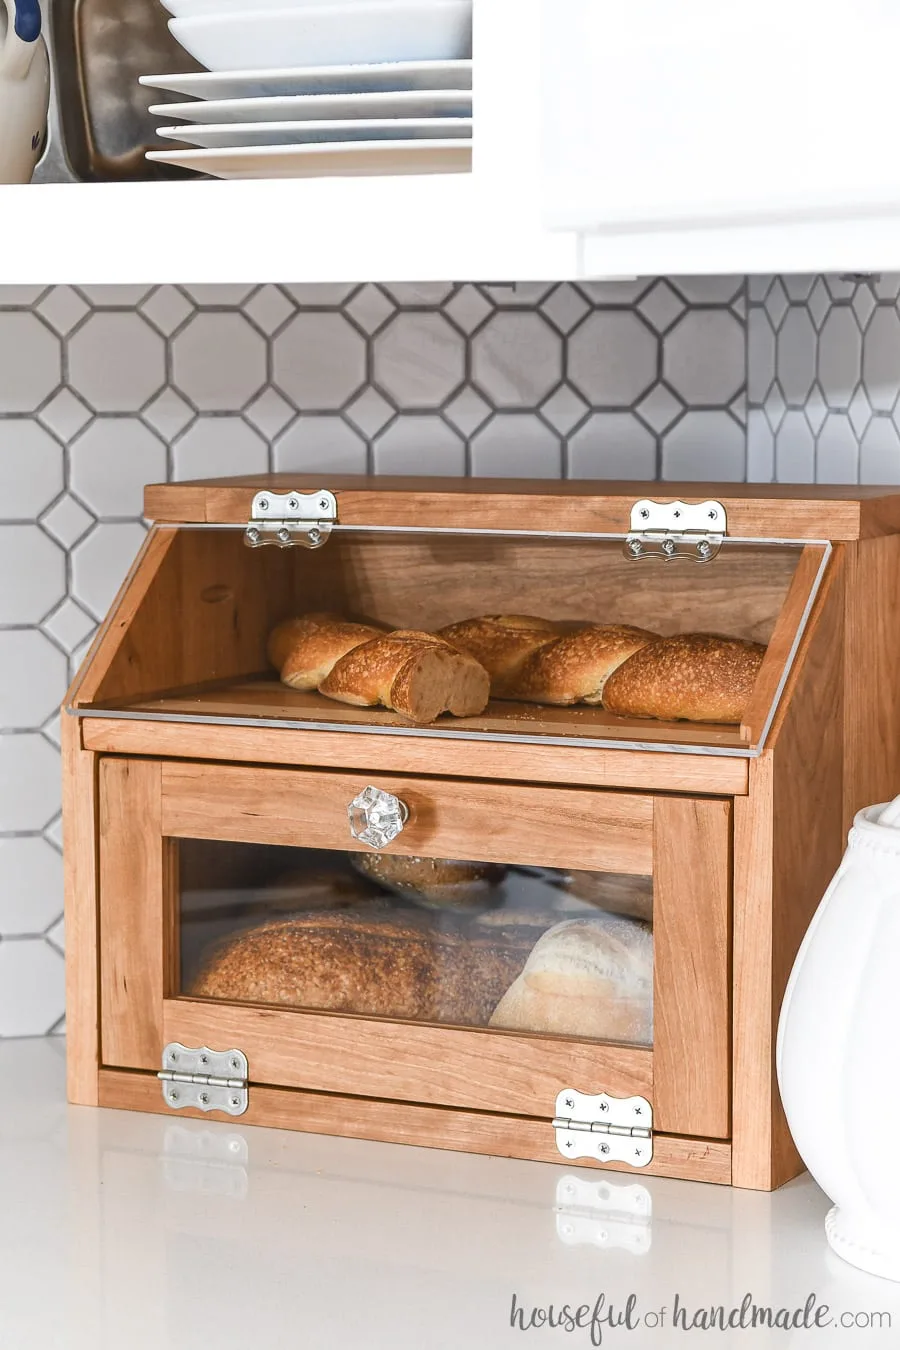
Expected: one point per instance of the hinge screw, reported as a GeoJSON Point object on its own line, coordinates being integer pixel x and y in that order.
{"type": "Point", "coordinates": [263, 503]}
{"type": "Point", "coordinates": [293, 503]}
{"type": "Point", "coordinates": [634, 546]}
{"type": "Point", "coordinates": [323, 505]}
{"type": "Point", "coordinates": [253, 535]}
{"type": "Point", "coordinates": [173, 1095]}
{"type": "Point", "coordinates": [204, 1059]}
{"type": "Point", "coordinates": [703, 548]}
{"type": "Point", "coordinates": [284, 535]}
{"type": "Point", "coordinates": [235, 1101]}
{"type": "Point", "coordinates": [204, 1098]}
{"type": "Point", "coordinates": [314, 535]}
{"type": "Point", "coordinates": [235, 1064]}
{"type": "Point", "coordinates": [713, 515]}
{"type": "Point", "coordinates": [668, 546]}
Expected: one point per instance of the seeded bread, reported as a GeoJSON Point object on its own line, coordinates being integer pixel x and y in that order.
{"type": "Point", "coordinates": [698, 676]}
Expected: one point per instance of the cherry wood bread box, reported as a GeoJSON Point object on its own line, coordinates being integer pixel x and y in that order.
{"type": "Point", "coordinates": [551, 922]}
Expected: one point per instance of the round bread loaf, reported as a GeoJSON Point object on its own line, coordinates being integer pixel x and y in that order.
{"type": "Point", "coordinates": [436, 883]}
{"type": "Point", "coordinates": [585, 977]}
{"type": "Point", "coordinates": [376, 966]}
{"type": "Point", "coordinates": [700, 677]}
{"type": "Point", "coordinates": [501, 643]}
{"type": "Point", "coordinates": [575, 668]}
{"type": "Point", "coordinates": [617, 893]}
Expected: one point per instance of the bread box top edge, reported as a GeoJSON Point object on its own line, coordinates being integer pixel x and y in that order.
{"type": "Point", "coordinates": [766, 510]}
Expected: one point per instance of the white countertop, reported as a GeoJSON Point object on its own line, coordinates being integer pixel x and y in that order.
{"type": "Point", "coordinates": [133, 1231]}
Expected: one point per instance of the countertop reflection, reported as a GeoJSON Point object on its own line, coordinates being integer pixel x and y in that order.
{"type": "Point", "coordinates": [119, 1229]}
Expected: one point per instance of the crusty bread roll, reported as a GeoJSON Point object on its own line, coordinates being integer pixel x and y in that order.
{"type": "Point", "coordinates": [698, 676]}
{"type": "Point", "coordinates": [436, 883]}
{"type": "Point", "coordinates": [501, 643]}
{"type": "Point", "coordinates": [398, 966]}
{"type": "Point", "coordinates": [284, 634]}
{"type": "Point", "coordinates": [415, 674]}
{"type": "Point", "coordinates": [575, 668]}
{"type": "Point", "coordinates": [585, 977]}
{"type": "Point", "coordinates": [305, 649]}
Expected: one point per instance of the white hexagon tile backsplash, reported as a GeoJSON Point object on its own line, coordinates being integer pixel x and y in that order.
{"type": "Point", "coordinates": [106, 388]}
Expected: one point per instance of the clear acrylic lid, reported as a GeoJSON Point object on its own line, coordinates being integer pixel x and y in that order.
{"type": "Point", "coordinates": [186, 640]}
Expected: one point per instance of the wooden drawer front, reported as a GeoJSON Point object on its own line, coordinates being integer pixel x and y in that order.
{"type": "Point", "coordinates": [683, 843]}
{"type": "Point", "coordinates": [448, 818]}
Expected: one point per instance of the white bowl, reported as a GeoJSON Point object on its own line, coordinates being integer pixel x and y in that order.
{"type": "Point", "coordinates": [334, 34]}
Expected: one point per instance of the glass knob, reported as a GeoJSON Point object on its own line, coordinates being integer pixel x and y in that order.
{"type": "Point", "coordinates": [376, 817]}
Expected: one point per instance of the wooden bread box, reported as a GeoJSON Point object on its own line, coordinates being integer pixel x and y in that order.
{"type": "Point", "coordinates": [543, 931]}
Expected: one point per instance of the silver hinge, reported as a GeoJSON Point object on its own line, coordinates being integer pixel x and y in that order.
{"type": "Point", "coordinates": [208, 1080]}
{"type": "Point", "coordinates": [286, 518]}
{"type": "Point", "coordinates": [676, 530]}
{"type": "Point", "coordinates": [607, 1129]}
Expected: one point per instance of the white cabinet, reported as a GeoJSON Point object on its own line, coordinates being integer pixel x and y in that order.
{"type": "Point", "coordinates": [716, 137]}
{"type": "Point", "coordinates": [611, 138]}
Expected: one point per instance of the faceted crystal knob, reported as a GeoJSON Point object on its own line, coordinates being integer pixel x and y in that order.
{"type": "Point", "coordinates": [376, 817]}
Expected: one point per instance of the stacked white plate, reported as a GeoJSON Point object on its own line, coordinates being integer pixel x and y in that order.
{"type": "Point", "coordinates": [321, 88]}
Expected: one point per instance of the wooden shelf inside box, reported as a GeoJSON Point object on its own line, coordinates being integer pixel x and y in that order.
{"type": "Point", "coordinates": [264, 697]}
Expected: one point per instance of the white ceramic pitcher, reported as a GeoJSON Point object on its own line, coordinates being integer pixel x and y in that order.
{"type": "Point", "coordinates": [837, 1046]}
{"type": "Point", "coordinates": [24, 90]}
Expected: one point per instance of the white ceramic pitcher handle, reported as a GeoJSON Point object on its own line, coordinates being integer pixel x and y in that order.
{"type": "Point", "coordinates": [20, 44]}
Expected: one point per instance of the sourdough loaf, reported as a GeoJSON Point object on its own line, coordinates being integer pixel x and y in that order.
{"type": "Point", "coordinates": [436, 883]}
{"type": "Point", "coordinates": [698, 676]}
{"type": "Point", "coordinates": [415, 674]}
{"type": "Point", "coordinates": [392, 965]}
{"type": "Point", "coordinates": [305, 649]}
{"type": "Point", "coordinates": [501, 643]}
{"type": "Point", "coordinates": [585, 977]}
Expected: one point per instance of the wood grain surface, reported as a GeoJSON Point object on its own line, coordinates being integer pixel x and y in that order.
{"type": "Point", "coordinates": [788, 842]}
{"type": "Point", "coordinates": [448, 818]}
{"type": "Point", "coordinates": [79, 795]}
{"type": "Point", "coordinates": [692, 966]}
{"type": "Point", "coordinates": [393, 1122]}
{"type": "Point", "coordinates": [409, 1061]}
{"type": "Point", "coordinates": [754, 510]}
{"type": "Point", "coordinates": [698, 774]}
{"type": "Point", "coordinates": [133, 872]}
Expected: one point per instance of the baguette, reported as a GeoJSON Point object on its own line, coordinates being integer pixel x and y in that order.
{"type": "Point", "coordinates": [414, 674]}
{"type": "Point", "coordinates": [700, 677]}
{"type": "Point", "coordinates": [501, 643]}
{"type": "Point", "coordinates": [576, 667]}
{"type": "Point", "coordinates": [305, 649]}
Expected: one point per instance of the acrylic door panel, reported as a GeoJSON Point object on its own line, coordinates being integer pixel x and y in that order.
{"type": "Point", "coordinates": [207, 871]}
